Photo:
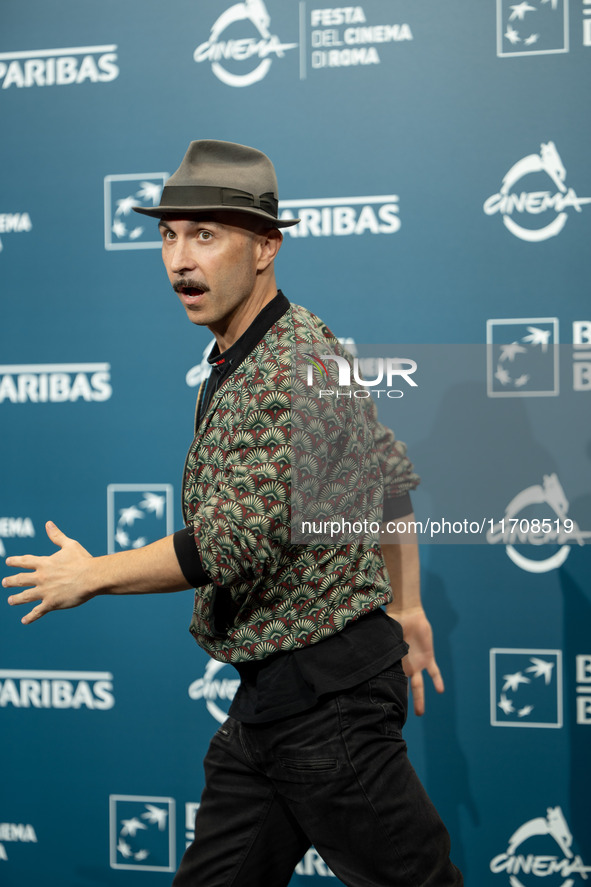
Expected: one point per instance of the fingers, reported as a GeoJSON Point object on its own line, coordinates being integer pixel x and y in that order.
{"type": "Point", "coordinates": [55, 534]}
{"type": "Point", "coordinates": [36, 613]}
{"type": "Point", "coordinates": [436, 677]}
{"type": "Point", "coordinates": [19, 580]}
{"type": "Point", "coordinates": [31, 561]}
{"type": "Point", "coordinates": [25, 597]}
{"type": "Point", "coordinates": [24, 562]}
{"type": "Point", "coordinates": [417, 684]}
{"type": "Point", "coordinates": [418, 693]}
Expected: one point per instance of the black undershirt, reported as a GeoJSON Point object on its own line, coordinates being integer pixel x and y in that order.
{"type": "Point", "coordinates": [285, 684]}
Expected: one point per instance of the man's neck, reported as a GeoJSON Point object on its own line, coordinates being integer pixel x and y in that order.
{"type": "Point", "coordinates": [246, 312]}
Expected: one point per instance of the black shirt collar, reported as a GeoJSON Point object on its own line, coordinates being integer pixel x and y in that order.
{"type": "Point", "coordinates": [225, 363]}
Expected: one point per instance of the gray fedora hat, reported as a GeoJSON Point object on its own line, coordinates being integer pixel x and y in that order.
{"type": "Point", "coordinates": [217, 176]}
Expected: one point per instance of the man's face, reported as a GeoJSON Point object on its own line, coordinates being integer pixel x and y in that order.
{"type": "Point", "coordinates": [212, 266]}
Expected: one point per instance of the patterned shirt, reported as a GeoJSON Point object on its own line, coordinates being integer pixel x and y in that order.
{"type": "Point", "coordinates": [237, 502]}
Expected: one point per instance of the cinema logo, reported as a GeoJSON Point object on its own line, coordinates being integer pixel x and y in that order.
{"type": "Point", "coordinates": [224, 50]}
{"type": "Point", "coordinates": [538, 518]}
{"type": "Point", "coordinates": [15, 832]}
{"type": "Point", "coordinates": [218, 692]}
{"type": "Point", "coordinates": [201, 371]}
{"type": "Point", "coordinates": [55, 382]}
{"type": "Point", "coordinates": [56, 689]}
{"type": "Point", "coordinates": [342, 216]}
{"type": "Point", "coordinates": [11, 223]}
{"type": "Point", "coordinates": [59, 67]}
{"type": "Point", "coordinates": [545, 207]}
{"type": "Point", "coordinates": [15, 528]}
{"type": "Point", "coordinates": [523, 862]}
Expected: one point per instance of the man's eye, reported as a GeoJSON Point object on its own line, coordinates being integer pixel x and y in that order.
{"type": "Point", "coordinates": [205, 235]}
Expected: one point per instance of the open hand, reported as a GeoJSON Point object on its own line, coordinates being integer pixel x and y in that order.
{"type": "Point", "coordinates": [418, 635]}
{"type": "Point", "coordinates": [59, 581]}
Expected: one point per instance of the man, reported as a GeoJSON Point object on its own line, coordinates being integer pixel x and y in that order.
{"type": "Point", "coordinates": [312, 751]}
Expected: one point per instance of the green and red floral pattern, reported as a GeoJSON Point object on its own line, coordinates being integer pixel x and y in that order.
{"type": "Point", "coordinates": [237, 499]}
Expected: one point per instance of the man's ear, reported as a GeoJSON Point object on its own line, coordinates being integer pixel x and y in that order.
{"type": "Point", "coordinates": [270, 243]}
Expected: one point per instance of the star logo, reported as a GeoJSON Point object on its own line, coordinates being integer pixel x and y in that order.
{"type": "Point", "coordinates": [522, 357]}
{"type": "Point", "coordinates": [138, 514]}
{"type": "Point", "coordinates": [125, 229]}
{"type": "Point", "coordinates": [525, 688]}
{"type": "Point", "coordinates": [532, 27]}
{"type": "Point", "coordinates": [142, 833]}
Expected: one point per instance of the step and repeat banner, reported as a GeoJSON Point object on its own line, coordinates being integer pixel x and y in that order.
{"type": "Point", "coordinates": [437, 154]}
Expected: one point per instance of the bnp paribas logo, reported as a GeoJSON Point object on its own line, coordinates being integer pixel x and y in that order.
{"type": "Point", "coordinates": [123, 228]}
{"type": "Point", "coordinates": [142, 833]}
{"type": "Point", "coordinates": [522, 357]}
{"type": "Point", "coordinates": [525, 688]}
{"type": "Point", "coordinates": [532, 27]}
{"type": "Point", "coordinates": [138, 514]}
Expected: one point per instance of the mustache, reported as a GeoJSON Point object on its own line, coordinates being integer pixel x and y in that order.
{"type": "Point", "coordinates": [186, 283]}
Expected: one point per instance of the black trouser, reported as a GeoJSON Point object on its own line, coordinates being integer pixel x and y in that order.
{"type": "Point", "coordinates": [336, 776]}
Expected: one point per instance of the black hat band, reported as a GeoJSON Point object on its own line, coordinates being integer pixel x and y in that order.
{"type": "Point", "coordinates": [191, 196]}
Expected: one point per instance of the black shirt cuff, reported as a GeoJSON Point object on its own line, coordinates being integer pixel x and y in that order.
{"type": "Point", "coordinates": [401, 506]}
{"type": "Point", "coordinates": [188, 557]}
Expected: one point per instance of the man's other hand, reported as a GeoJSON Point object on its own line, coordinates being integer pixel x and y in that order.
{"type": "Point", "coordinates": [419, 637]}
{"type": "Point", "coordinates": [57, 581]}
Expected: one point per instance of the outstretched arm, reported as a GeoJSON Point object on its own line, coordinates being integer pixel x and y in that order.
{"type": "Point", "coordinates": [71, 576]}
{"type": "Point", "coordinates": [402, 562]}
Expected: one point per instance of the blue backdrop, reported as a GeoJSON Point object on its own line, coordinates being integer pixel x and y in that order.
{"type": "Point", "coordinates": [437, 153]}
